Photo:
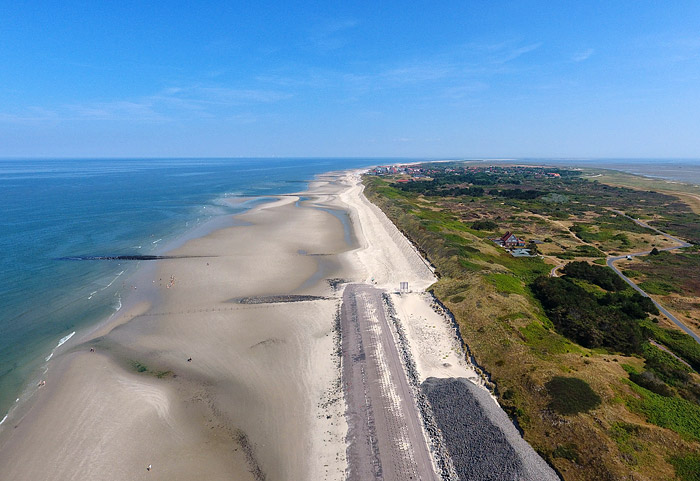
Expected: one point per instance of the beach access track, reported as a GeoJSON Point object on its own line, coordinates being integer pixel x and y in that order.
{"type": "Point", "coordinates": [385, 436]}
{"type": "Point", "coordinates": [681, 245]}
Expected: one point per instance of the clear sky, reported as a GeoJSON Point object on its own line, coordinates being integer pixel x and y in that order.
{"type": "Point", "coordinates": [470, 78]}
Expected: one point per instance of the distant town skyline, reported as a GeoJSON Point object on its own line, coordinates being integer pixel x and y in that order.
{"type": "Point", "coordinates": [439, 79]}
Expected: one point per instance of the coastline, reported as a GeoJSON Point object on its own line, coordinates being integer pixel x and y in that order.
{"type": "Point", "coordinates": [118, 414]}
{"type": "Point", "coordinates": [262, 375]}
{"type": "Point", "coordinates": [254, 307]}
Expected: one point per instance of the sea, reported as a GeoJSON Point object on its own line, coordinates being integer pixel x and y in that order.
{"type": "Point", "coordinates": [54, 212]}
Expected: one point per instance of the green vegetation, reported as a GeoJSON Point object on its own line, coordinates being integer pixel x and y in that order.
{"type": "Point", "coordinates": [670, 272]}
{"type": "Point", "coordinates": [571, 395]}
{"type": "Point", "coordinates": [484, 225]}
{"type": "Point", "coordinates": [671, 371]}
{"type": "Point", "coordinates": [545, 342]}
{"type": "Point", "coordinates": [567, 451]}
{"type": "Point", "coordinates": [609, 320]}
{"type": "Point", "coordinates": [601, 276]}
{"type": "Point", "coordinates": [687, 466]}
{"type": "Point", "coordinates": [142, 368]}
{"type": "Point", "coordinates": [631, 273]}
{"type": "Point", "coordinates": [582, 323]}
{"type": "Point", "coordinates": [506, 283]}
{"type": "Point", "coordinates": [582, 250]}
{"type": "Point", "coordinates": [678, 342]}
{"type": "Point", "coordinates": [139, 367]}
{"type": "Point", "coordinates": [656, 287]}
{"type": "Point", "coordinates": [626, 436]}
{"type": "Point", "coordinates": [674, 413]}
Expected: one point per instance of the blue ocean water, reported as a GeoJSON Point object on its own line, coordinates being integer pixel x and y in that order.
{"type": "Point", "coordinates": [53, 209]}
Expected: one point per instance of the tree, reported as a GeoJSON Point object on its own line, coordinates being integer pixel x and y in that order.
{"type": "Point", "coordinates": [532, 247]}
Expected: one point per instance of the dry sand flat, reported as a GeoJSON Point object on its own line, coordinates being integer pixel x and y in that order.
{"type": "Point", "coordinates": [257, 401]}
{"type": "Point", "coordinates": [386, 256]}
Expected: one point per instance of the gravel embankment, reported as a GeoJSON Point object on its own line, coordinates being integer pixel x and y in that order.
{"type": "Point", "coordinates": [482, 442]}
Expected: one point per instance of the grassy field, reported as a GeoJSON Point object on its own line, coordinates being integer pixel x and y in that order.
{"type": "Point", "coordinates": [619, 430]}
{"type": "Point", "coordinates": [689, 193]}
{"type": "Point", "coordinates": [671, 277]}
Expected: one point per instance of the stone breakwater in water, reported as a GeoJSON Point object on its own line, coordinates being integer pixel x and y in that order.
{"type": "Point", "coordinates": [482, 442]}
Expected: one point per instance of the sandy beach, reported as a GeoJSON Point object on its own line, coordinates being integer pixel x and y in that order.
{"type": "Point", "coordinates": [225, 362]}
{"type": "Point", "coordinates": [259, 397]}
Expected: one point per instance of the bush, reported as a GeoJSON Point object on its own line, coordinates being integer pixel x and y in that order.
{"type": "Point", "coordinates": [571, 395]}
{"type": "Point", "coordinates": [484, 224]}
{"type": "Point", "coordinates": [601, 276]}
{"type": "Point", "coordinates": [567, 451]}
{"type": "Point", "coordinates": [650, 381]}
{"type": "Point", "coordinates": [587, 320]}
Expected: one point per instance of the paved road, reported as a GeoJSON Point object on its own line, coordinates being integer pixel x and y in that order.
{"type": "Point", "coordinates": [611, 263]}
{"type": "Point", "coordinates": [386, 441]}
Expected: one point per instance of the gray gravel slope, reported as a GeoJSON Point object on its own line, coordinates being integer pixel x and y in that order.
{"type": "Point", "coordinates": [482, 442]}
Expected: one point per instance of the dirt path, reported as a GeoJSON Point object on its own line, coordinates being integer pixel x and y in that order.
{"type": "Point", "coordinates": [681, 244]}
{"type": "Point", "coordinates": [385, 438]}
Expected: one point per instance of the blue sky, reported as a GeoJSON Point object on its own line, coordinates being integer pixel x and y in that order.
{"type": "Point", "coordinates": [417, 79]}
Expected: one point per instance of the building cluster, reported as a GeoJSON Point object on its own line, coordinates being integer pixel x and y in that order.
{"type": "Point", "coordinates": [514, 245]}
{"type": "Point", "coordinates": [509, 241]}
{"type": "Point", "coordinates": [412, 170]}
{"type": "Point", "coordinates": [420, 171]}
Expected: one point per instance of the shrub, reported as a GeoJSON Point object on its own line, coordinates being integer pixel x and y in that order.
{"type": "Point", "coordinates": [484, 224]}
{"type": "Point", "coordinates": [138, 366]}
{"type": "Point", "coordinates": [567, 451]}
{"type": "Point", "coordinates": [650, 381]}
{"type": "Point", "coordinates": [601, 276]}
{"type": "Point", "coordinates": [587, 320]}
{"type": "Point", "coordinates": [571, 395]}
